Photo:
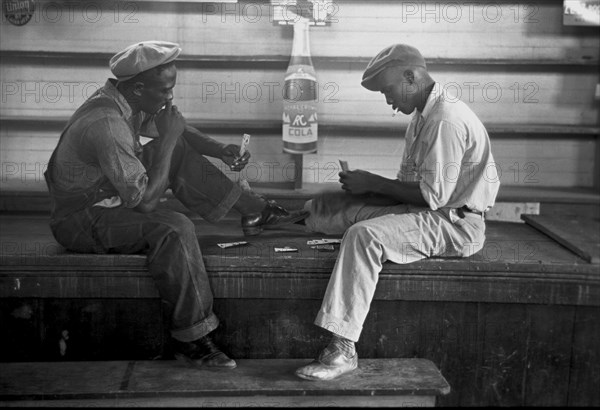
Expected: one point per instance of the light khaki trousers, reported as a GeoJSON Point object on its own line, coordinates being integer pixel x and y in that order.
{"type": "Point", "coordinates": [374, 234]}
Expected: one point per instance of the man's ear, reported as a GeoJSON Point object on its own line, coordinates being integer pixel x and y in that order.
{"type": "Point", "coordinates": [409, 75]}
{"type": "Point", "coordinates": [137, 88]}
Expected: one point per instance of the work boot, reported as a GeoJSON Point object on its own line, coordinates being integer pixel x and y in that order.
{"type": "Point", "coordinates": [272, 216]}
{"type": "Point", "coordinates": [202, 353]}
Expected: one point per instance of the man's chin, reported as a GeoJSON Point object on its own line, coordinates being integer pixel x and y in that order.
{"type": "Point", "coordinates": [402, 110]}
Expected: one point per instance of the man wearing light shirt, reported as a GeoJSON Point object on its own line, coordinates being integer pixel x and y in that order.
{"type": "Point", "coordinates": [436, 206]}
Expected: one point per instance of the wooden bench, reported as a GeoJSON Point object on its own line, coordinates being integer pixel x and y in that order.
{"type": "Point", "coordinates": [524, 265]}
{"type": "Point", "coordinates": [254, 383]}
{"type": "Point", "coordinates": [489, 322]}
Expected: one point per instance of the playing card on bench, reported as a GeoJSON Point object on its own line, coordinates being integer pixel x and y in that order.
{"type": "Point", "coordinates": [323, 241]}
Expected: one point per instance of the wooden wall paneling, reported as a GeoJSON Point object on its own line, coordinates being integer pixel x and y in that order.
{"type": "Point", "coordinates": [528, 93]}
{"type": "Point", "coordinates": [21, 321]}
{"type": "Point", "coordinates": [269, 328]}
{"type": "Point", "coordinates": [585, 372]}
{"type": "Point", "coordinates": [37, 90]}
{"type": "Point", "coordinates": [545, 161]}
{"type": "Point", "coordinates": [103, 329]}
{"type": "Point", "coordinates": [391, 329]}
{"type": "Point", "coordinates": [536, 162]}
{"type": "Point", "coordinates": [197, 32]}
{"type": "Point", "coordinates": [226, 94]}
{"type": "Point", "coordinates": [585, 210]}
{"type": "Point", "coordinates": [459, 348]}
{"type": "Point", "coordinates": [510, 97]}
{"type": "Point", "coordinates": [431, 333]}
{"type": "Point", "coordinates": [536, 24]}
{"type": "Point", "coordinates": [525, 30]}
{"type": "Point", "coordinates": [504, 353]}
{"type": "Point", "coordinates": [292, 331]}
{"type": "Point", "coordinates": [548, 356]}
{"type": "Point", "coordinates": [24, 158]}
{"type": "Point", "coordinates": [597, 164]}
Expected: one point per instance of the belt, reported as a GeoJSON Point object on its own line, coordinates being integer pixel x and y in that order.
{"type": "Point", "coordinates": [461, 211]}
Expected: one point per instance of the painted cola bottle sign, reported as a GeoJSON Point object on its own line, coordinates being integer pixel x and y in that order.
{"type": "Point", "coordinates": [300, 122]}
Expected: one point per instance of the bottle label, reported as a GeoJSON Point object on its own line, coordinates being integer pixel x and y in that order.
{"type": "Point", "coordinates": [300, 123]}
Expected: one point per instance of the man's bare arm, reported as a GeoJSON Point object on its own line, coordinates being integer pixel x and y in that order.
{"type": "Point", "coordinates": [170, 126]}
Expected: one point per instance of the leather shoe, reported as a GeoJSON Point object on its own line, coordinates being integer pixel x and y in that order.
{"type": "Point", "coordinates": [329, 365]}
{"type": "Point", "coordinates": [202, 353]}
{"type": "Point", "coordinates": [271, 217]}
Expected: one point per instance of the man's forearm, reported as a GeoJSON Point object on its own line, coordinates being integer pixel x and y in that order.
{"type": "Point", "coordinates": [202, 143]}
{"type": "Point", "coordinates": [158, 177]}
{"type": "Point", "coordinates": [405, 192]}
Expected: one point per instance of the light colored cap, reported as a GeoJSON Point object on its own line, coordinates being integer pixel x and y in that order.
{"type": "Point", "coordinates": [142, 56]}
{"type": "Point", "coordinates": [394, 55]}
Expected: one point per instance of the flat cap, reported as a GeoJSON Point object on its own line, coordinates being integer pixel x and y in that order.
{"type": "Point", "coordinates": [397, 54]}
{"type": "Point", "coordinates": [142, 56]}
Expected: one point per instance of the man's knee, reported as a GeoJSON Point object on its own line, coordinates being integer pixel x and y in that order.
{"type": "Point", "coordinates": [176, 223]}
{"type": "Point", "coordinates": [308, 205]}
{"type": "Point", "coordinates": [362, 232]}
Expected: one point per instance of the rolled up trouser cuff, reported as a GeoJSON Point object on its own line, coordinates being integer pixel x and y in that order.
{"type": "Point", "coordinates": [196, 331]}
{"type": "Point", "coordinates": [340, 327]}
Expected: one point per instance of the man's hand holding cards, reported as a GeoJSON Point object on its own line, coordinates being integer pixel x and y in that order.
{"type": "Point", "coordinates": [241, 154]}
{"type": "Point", "coordinates": [344, 165]}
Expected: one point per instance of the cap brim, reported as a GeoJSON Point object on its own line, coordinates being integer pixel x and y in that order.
{"type": "Point", "coordinates": [173, 56]}
{"type": "Point", "coordinates": [370, 82]}
{"type": "Point", "coordinates": [125, 78]}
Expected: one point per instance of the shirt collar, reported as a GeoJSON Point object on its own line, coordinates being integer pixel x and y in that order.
{"type": "Point", "coordinates": [436, 93]}
{"type": "Point", "coordinates": [111, 91]}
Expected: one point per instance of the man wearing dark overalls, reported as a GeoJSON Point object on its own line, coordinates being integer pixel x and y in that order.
{"type": "Point", "coordinates": [105, 188]}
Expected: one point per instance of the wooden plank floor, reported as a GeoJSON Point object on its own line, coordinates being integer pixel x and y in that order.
{"type": "Point", "coordinates": [253, 382]}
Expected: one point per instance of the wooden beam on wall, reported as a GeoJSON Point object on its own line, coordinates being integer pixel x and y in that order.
{"type": "Point", "coordinates": [281, 61]}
